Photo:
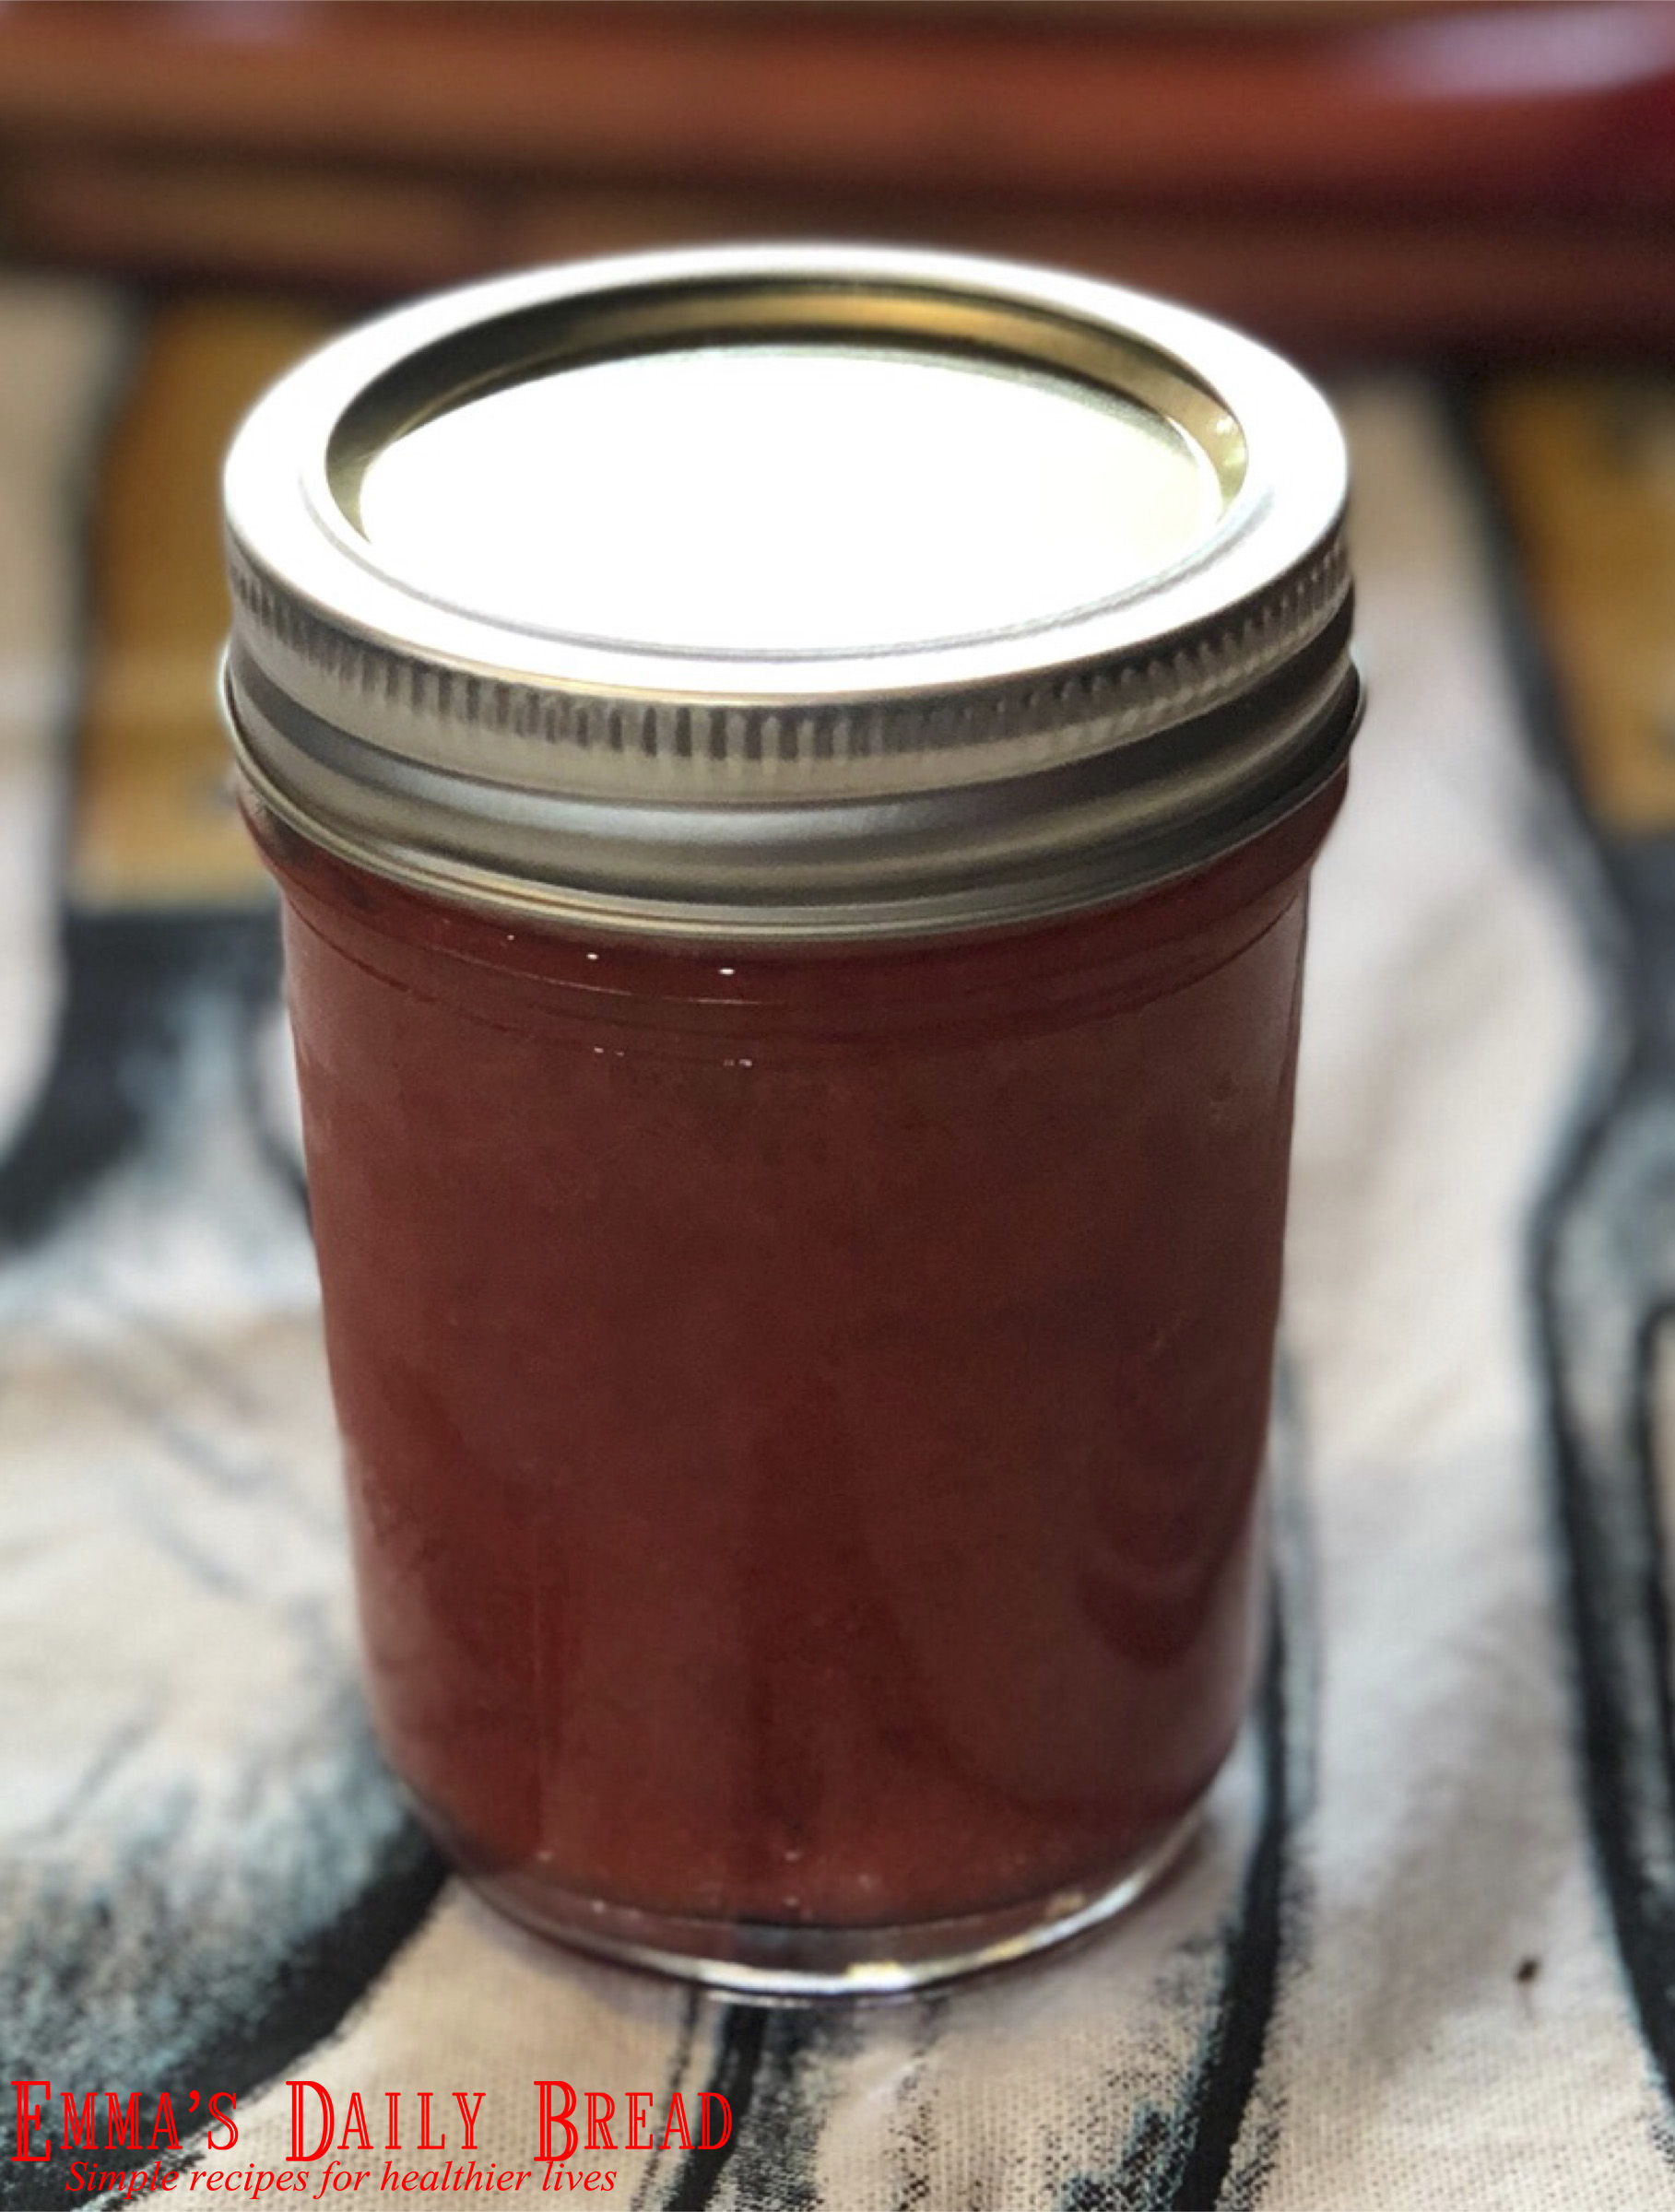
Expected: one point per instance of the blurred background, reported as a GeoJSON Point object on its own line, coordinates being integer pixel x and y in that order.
{"type": "Point", "coordinates": [1337, 176]}
{"type": "Point", "coordinates": [1362, 184]}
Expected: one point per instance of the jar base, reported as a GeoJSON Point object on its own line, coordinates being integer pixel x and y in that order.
{"type": "Point", "coordinates": [777, 1960]}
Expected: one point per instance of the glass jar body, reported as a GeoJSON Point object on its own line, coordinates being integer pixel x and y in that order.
{"type": "Point", "coordinates": [804, 1411]}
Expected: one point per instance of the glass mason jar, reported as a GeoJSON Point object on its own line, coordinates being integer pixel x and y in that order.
{"type": "Point", "coordinates": [793, 775]}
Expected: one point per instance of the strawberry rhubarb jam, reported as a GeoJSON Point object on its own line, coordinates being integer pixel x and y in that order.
{"type": "Point", "coordinates": [793, 775]}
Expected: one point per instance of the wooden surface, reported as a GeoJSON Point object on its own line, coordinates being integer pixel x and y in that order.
{"type": "Point", "coordinates": [1344, 177]}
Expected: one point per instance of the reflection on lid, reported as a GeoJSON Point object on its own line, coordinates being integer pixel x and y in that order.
{"type": "Point", "coordinates": [782, 498]}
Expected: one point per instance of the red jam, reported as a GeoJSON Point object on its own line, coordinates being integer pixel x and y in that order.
{"type": "Point", "coordinates": [804, 1411]}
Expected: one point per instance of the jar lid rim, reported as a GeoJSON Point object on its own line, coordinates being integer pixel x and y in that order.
{"type": "Point", "coordinates": [431, 738]}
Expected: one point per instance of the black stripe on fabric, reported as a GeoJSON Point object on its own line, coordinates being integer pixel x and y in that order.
{"type": "Point", "coordinates": [1653, 1325]}
{"type": "Point", "coordinates": [1608, 1199]}
{"type": "Point", "coordinates": [328, 1973]}
{"type": "Point", "coordinates": [1251, 1985]}
{"type": "Point", "coordinates": [1181, 2161]}
{"type": "Point", "coordinates": [674, 2076]}
{"type": "Point", "coordinates": [1213, 2145]}
{"type": "Point", "coordinates": [739, 2050]}
{"type": "Point", "coordinates": [75, 1124]}
{"type": "Point", "coordinates": [132, 982]}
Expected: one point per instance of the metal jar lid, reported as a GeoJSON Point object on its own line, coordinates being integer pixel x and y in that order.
{"type": "Point", "coordinates": [787, 594]}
